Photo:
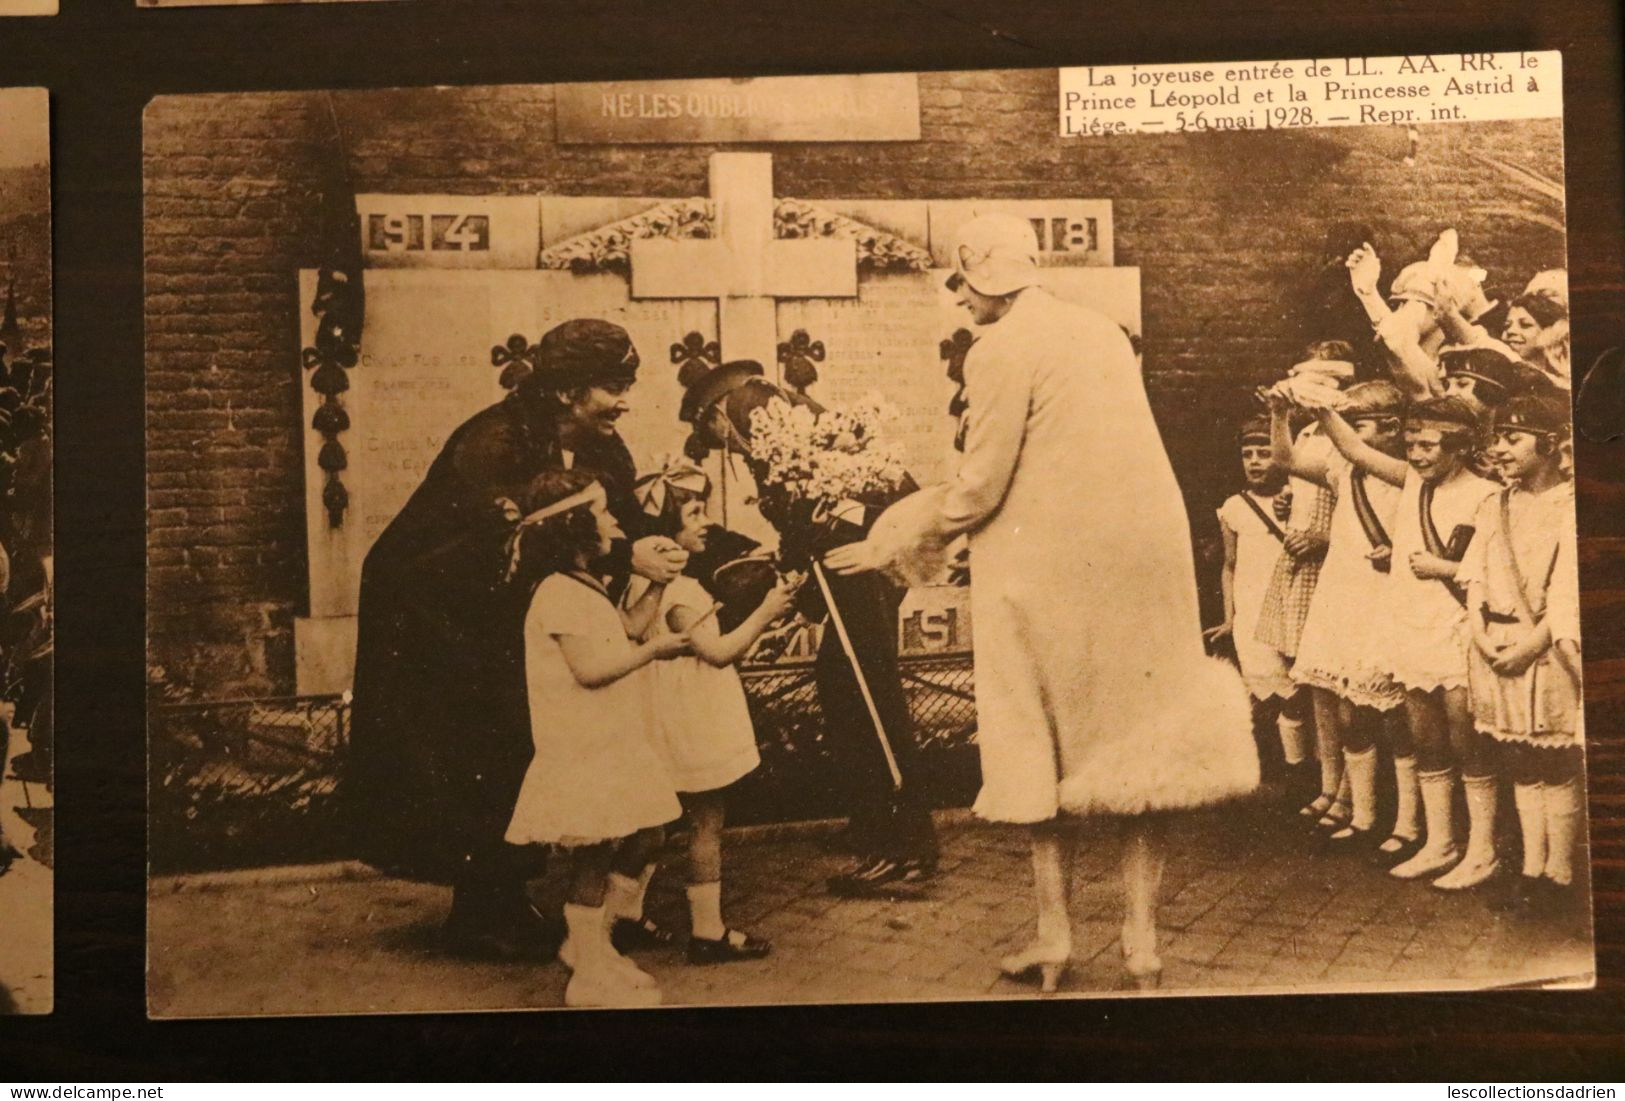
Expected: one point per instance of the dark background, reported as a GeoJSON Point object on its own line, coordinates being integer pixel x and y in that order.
{"type": "Point", "coordinates": [103, 59]}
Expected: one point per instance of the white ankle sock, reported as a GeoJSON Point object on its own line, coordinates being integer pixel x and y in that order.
{"type": "Point", "coordinates": [1295, 741]}
{"type": "Point", "coordinates": [585, 925]}
{"type": "Point", "coordinates": [1407, 815]}
{"type": "Point", "coordinates": [1530, 799]}
{"type": "Point", "coordinates": [705, 910]}
{"type": "Point", "coordinates": [1439, 807]}
{"type": "Point", "coordinates": [1562, 830]}
{"type": "Point", "coordinates": [1361, 770]}
{"type": "Point", "coordinates": [1483, 801]}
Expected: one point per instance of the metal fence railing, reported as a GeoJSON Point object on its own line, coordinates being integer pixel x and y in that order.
{"type": "Point", "coordinates": [239, 783]}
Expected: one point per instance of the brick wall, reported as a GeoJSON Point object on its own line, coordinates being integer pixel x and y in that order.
{"type": "Point", "coordinates": [1225, 227]}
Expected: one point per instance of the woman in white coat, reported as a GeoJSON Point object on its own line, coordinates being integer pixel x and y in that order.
{"type": "Point", "coordinates": [1093, 693]}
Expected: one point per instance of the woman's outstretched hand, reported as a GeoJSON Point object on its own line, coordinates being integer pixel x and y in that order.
{"type": "Point", "coordinates": [658, 558]}
{"type": "Point", "coordinates": [853, 558]}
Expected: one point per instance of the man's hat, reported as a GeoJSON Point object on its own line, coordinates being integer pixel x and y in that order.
{"type": "Point", "coordinates": [716, 384]}
{"type": "Point", "coordinates": [585, 352]}
{"type": "Point", "coordinates": [996, 254]}
{"type": "Point", "coordinates": [1541, 414]}
{"type": "Point", "coordinates": [1490, 362]}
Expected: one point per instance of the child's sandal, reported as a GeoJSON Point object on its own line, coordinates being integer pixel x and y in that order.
{"type": "Point", "coordinates": [731, 946]}
{"type": "Point", "coordinates": [1318, 806]}
{"type": "Point", "coordinates": [1338, 816]}
{"type": "Point", "coordinates": [632, 934]}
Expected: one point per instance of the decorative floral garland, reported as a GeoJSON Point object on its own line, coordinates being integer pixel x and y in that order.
{"type": "Point", "coordinates": [338, 308]}
{"type": "Point", "coordinates": [878, 251]}
{"type": "Point", "coordinates": [609, 248]}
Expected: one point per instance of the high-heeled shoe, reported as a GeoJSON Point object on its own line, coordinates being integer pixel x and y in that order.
{"type": "Point", "coordinates": [1140, 957]}
{"type": "Point", "coordinates": [1048, 960]}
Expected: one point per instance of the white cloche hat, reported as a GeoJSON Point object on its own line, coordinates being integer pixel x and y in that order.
{"type": "Point", "coordinates": [997, 254]}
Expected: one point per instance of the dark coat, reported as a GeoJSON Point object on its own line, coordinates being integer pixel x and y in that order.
{"type": "Point", "coordinates": [440, 734]}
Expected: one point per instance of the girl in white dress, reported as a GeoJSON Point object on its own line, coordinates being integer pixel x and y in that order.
{"type": "Point", "coordinates": [595, 782]}
{"type": "Point", "coordinates": [1523, 605]}
{"type": "Point", "coordinates": [1340, 658]}
{"type": "Point", "coordinates": [1427, 654]}
{"type": "Point", "coordinates": [702, 725]}
{"type": "Point", "coordinates": [1253, 545]}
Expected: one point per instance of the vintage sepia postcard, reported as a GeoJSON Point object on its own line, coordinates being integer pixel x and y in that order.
{"type": "Point", "coordinates": [26, 622]}
{"type": "Point", "coordinates": [963, 535]}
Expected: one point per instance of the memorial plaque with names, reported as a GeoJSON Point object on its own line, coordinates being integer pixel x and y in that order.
{"type": "Point", "coordinates": [860, 107]}
{"type": "Point", "coordinates": [885, 342]}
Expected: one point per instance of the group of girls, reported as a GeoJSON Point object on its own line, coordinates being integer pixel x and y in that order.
{"type": "Point", "coordinates": [1401, 574]}
{"type": "Point", "coordinates": [639, 717]}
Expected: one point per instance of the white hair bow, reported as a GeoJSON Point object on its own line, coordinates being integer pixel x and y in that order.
{"type": "Point", "coordinates": [675, 472]}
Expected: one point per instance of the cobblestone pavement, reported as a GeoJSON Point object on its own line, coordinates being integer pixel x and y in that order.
{"type": "Point", "coordinates": [25, 893]}
{"type": "Point", "coordinates": [1250, 904]}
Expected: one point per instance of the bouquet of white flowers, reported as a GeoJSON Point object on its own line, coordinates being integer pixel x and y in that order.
{"type": "Point", "coordinates": [829, 458]}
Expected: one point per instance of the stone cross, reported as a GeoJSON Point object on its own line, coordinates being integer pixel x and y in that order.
{"type": "Point", "coordinates": [743, 266]}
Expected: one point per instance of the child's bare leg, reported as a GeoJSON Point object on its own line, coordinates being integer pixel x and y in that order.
{"type": "Point", "coordinates": [1564, 798]}
{"type": "Point", "coordinates": [631, 870]}
{"type": "Point", "coordinates": [638, 851]}
{"type": "Point", "coordinates": [1472, 749]}
{"type": "Point", "coordinates": [705, 865]}
{"type": "Point", "coordinates": [705, 839]}
{"type": "Point", "coordinates": [1429, 732]}
{"type": "Point", "coordinates": [712, 941]}
{"type": "Point", "coordinates": [1360, 768]}
{"type": "Point", "coordinates": [1407, 793]}
{"type": "Point", "coordinates": [1436, 776]}
{"type": "Point", "coordinates": [587, 950]}
{"type": "Point", "coordinates": [1529, 796]}
{"type": "Point", "coordinates": [1293, 726]}
{"type": "Point", "coordinates": [1329, 744]}
{"type": "Point", "coordinates": [589, 867]}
